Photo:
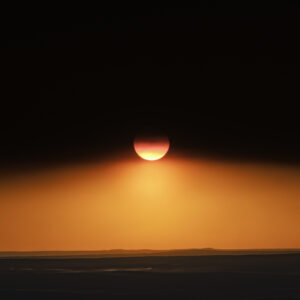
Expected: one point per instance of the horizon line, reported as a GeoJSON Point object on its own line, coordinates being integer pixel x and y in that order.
{"type": "Point", "coordinates": [155, 250]}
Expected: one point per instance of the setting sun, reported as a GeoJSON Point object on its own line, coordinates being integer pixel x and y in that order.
{"type": "Point", "coordinates": [151, 147]}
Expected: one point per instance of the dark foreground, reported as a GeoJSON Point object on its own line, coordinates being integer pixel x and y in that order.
{"type": "Point", "coordinates": [202, 277]}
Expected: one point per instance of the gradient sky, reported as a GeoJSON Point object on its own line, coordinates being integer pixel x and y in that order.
{"type": "Point", "coordinates": [172, 203]}
{"type": "Point", "coordinates": [76, 91]}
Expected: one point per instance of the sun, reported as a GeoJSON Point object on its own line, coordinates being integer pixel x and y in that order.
{"type": "Point", "coordinates": [151, 147]}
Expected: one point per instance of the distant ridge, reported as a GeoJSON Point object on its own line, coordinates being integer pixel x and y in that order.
{"type": "Point", "coordinates": [143, 252]}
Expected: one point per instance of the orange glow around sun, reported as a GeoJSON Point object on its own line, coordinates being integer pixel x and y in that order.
{"type": "Point", "coordinates": [151, 148]}
{"type": "Point", "coordinates": [178, 203]}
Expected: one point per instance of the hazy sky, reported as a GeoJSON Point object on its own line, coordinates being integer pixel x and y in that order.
{"type": "Point", "coordinates": [172, 203]}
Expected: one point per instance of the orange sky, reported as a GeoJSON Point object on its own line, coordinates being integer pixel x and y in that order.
{"type": "Point", "coordinates": [134, 204]}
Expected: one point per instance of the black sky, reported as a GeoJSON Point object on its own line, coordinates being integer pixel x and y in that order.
{"type": "Point", "coordinates": [219, 81]}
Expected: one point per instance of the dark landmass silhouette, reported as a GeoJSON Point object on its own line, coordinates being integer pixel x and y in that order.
{"type": "Point", "coordinates": [205, 273]}
{"type": "Point", "coordinates": [259, 274]}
